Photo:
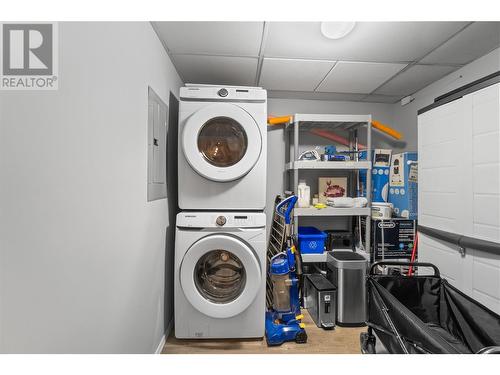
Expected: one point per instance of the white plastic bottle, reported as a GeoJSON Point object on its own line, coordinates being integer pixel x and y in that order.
{"type": "Point", "coordinates": [304, 193]}
{"type": "Point", "coordinates": [315, 200]}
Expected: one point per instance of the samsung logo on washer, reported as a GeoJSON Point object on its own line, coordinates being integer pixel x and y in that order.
{"type": "Point", "coordinates": [29, 59]}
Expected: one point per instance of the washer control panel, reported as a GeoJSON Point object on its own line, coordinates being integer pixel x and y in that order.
{"type": "Point", "coordinates": [221, 219]}
{"type": "Point", "coordinates": [222, 93]}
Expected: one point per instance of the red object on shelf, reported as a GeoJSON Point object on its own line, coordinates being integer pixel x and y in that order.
{"type": "Point", "coordinates": [333, 137]}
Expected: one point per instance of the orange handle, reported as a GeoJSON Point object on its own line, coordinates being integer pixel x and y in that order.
{"type": "Point", "coordinates": [279, 120]}
{"type": "Point", "coordinates": [376, 124]}
{"type": "Point", "coordinates": [386, 129]}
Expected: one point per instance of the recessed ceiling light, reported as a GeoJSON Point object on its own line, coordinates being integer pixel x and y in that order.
{"type": "Point", "coordinates": [336, 30]}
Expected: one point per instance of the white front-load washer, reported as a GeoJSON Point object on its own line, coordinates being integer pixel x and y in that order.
{"type": "Point", "coordinates": [220, 275]}
{"type": "Point", "coordinates": [222, 148]}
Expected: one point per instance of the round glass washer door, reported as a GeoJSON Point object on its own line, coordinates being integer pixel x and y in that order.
{"type": "Point", "coordinates": [221, 142]}
{"type": "Point", "coordinates": [220, 276]}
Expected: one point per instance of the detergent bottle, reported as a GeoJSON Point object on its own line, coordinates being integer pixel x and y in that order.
{"type": "Point", "coordinates": [304, 193]}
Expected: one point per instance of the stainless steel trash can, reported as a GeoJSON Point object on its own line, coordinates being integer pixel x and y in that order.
{"type": "Point", "coordinates": [347, 271]}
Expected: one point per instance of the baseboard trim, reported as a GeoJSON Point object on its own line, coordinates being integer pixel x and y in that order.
{"type": "Point", "coordinates": [163, 340]}
{"type": "Point", "coordinates": [161, 345]}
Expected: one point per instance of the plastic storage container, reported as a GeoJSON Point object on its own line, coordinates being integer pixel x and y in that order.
{"type": "Point", "coordinates": [280, 277]}
{"type": "Point", "coordinates": [382, 211]}
{"type": "Point", "coordinates": [311, 240]}
{"type": "Point", "coordinates": [304, 195]}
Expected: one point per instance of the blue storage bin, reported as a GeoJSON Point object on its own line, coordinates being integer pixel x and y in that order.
{"type": "Point", "coordinates": [311, 240]}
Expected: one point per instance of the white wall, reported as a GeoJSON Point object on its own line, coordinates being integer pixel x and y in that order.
{"type": "Point", "coordinates": [405, 117]}
{"type": "Point", "coordinates": [82, 253]}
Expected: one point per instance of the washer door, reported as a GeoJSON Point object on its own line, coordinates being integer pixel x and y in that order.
{"type": "Point", "coordinates": [220, 276]}
{"type": "Point", "coordinates": [222, 142]}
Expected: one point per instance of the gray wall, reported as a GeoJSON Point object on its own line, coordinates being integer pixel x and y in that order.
{"type": "Point", "coordinates": [405, 117]}
{"type": "Point", "coordinates": [82, 253]}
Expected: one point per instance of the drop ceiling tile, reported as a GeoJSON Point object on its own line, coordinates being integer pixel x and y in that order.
{"type": "Point", "coordinates": [293, 75]}
{"type": "Point", "coordinates": [475, 41]}
{"type": "Point", "coordinates": [358, 77]}
{"type": "Point", "coordinates": [216, 69]}
{"type": "Point", "coordinates": [369, 41]}
{"type": "Point", "coordinates": [217, 38]}
{"type": "Point", "coordinates": [307, 95]}
{"type": "Point", "coordinates": [374, 98]}
{"type": "Point", "coordinates": [414, 79]}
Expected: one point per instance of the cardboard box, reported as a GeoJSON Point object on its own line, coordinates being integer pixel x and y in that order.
{"type": "Point", "coordinates": [380, 184]}
{"type": "Point", "coordinates": [393, 239]}
{"type": "Point", "coordinates": [403, 185]}
{"type": "Point", "coordinates": [381, 161]}
{"type": "Point", "coordinates": [382, 157]}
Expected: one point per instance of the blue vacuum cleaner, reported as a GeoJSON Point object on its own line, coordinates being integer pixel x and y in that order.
{"type": "Point", "coordinates": [283, 322]}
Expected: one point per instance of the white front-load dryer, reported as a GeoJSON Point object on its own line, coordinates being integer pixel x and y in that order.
{"type": "Point", "coordinates": [220, 275]}
{"type": "Point", "coordinates": [222, 148]}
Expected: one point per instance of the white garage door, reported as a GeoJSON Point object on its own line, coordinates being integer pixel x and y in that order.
{"type": "Point", "coordinates": [459, 189]}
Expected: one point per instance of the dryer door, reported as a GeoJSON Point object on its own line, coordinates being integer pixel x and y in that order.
{"type": "Point", "coordinates": [222, 142]}
{"type": "Point", "coordinates": [220, 276]}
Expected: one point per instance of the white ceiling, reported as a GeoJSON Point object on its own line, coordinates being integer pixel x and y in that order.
{"type": "Point", "coordinates": [224, 70]}
{"type": "Point", "coordinates": [212, 38]}
{"type": "Point", "coordinates": [413, 79]}
{"type": "Point", "coordinates": [292, 74]}
{"type": "Point", "coordinates": [358, 77]}
{"type": "Point", "coordinates": [377, 61]}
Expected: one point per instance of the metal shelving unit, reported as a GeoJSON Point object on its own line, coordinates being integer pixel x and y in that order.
{"type": "Point", "coordinates": [315, 258]}
{"type": "Point", "coordinates": [349, 165]}
{"type": "Point", "coordinates": [332, 211]}
{"type": "Point", "coordinates": [349, 125]}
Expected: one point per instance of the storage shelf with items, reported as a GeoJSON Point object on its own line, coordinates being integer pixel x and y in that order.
{"type": "Point", "coordinates": [348, 165]}
{"type": "Point", "coordinates": [332, 211]}
{"type": "Point", "coordinates": [325, 149]}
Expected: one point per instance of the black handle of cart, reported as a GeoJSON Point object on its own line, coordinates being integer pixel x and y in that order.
{"type": "Point", "coordinates": [404, 264]}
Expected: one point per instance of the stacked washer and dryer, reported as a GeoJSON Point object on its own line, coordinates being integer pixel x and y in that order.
{"type": "Point", "coordinates": [220, 246]}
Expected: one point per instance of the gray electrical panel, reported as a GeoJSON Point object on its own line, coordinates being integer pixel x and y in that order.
{"type": "Point", "coordinates": [157, 146]}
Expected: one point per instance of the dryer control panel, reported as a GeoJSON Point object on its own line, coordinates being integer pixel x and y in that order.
{"type": "Point", "coordinates": [223, 93]}
{"type": "Point", "coordinates": [221, 220]}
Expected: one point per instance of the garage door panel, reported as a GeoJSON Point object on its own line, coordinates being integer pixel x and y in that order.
{"type": "Point", "coordinates": [459, 189]}
{"type": "Point", "coordinates": [440, 180]}
{"type": "Point", "coordinates": [486, 179]}
{"type": "Point", "coordinates": [486, 278]}
{"type": "Point", "coordinates": [445, 257]}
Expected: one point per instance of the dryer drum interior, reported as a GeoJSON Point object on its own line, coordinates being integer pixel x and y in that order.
{"type": "Point", "coordinates": [222, 141]}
